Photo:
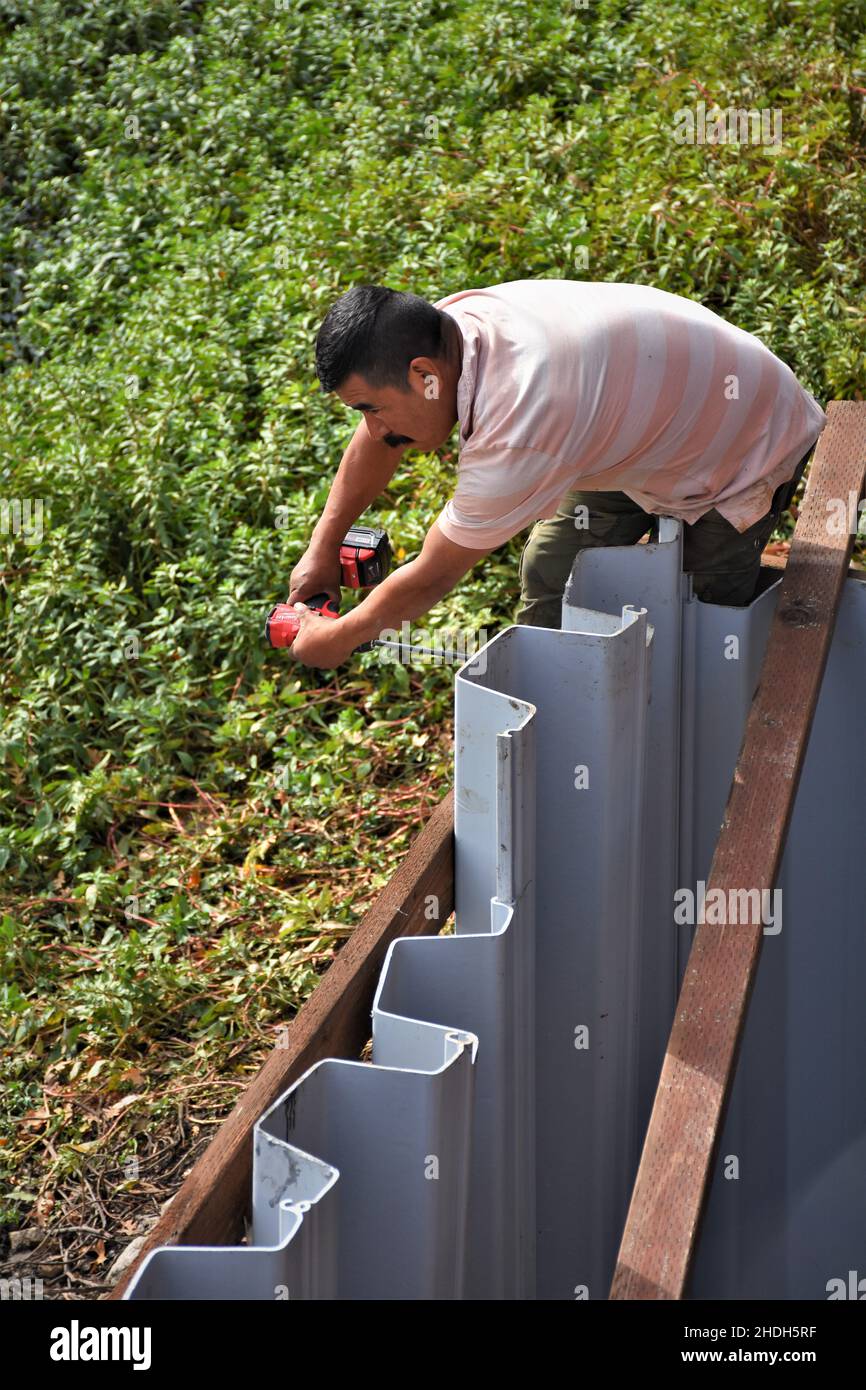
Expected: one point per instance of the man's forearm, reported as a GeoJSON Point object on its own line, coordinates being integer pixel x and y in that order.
{"type": "Point", "coordinates": [365, 470]}
{"type": "Point", "coordinates": [411, 590]}
{"type": "Point", "coordinates": [405, 594]}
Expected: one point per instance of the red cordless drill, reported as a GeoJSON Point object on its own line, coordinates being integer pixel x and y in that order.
{"type": "Point", "coordinates": [365, 559]}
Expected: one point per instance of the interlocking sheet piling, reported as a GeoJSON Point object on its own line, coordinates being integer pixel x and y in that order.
{"type": "Point", "coordinates": [416, 1176]}
{"type": "Point", "coordinates": [588, 689]}
{"type": "Point", "coordinates": [795, 1132]}
{"type": "Point", "coordinates": [679, 1153]}
{"type": "Point", "coordinates": [603, 580]}
{"type": "Point", "coordinates": [487, 1153]}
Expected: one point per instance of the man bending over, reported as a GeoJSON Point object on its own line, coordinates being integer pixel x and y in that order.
{"type": "Point", "coordinates": [584, 407]}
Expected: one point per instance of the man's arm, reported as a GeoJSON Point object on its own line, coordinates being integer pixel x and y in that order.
{"type": "Point", "coordinates": [365, 470]}
{"type": "Point", "coordinates": [411, 590]}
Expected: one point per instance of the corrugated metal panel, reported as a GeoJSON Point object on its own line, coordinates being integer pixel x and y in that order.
{"type": "Point", "coordinates": [487, 1153]}
{"type": "Point", "coordinates": [795, 1217]}
{"type": "Point", "coordinates": [588, 688]}
{"type": "Point", "coordinates": [606, 578]}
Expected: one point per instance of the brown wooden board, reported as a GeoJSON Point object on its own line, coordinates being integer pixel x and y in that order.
{"type": "Point", "coordinates": [212, 1204]}
{"type": "Point", "coordinates": [779, 562]}
{"type": "Point", "coordinates": [663, 1221]}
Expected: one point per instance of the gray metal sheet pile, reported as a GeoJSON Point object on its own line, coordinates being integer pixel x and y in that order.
{"type": "Point", "coordinates": [489, 1150]}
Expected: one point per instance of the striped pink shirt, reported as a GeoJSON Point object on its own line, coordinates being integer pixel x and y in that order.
{"type": "Point", "coordinates": [606, 386]}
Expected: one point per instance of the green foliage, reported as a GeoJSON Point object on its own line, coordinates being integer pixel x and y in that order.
{"type": "Point", "coordinates": [185, 188]}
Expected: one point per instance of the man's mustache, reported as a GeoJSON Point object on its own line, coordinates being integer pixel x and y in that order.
{"type": "Point", "coordinates": [395, 440]}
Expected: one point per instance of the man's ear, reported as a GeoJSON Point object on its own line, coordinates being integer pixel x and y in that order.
{"type": "Point", "coordinates": [425, 377]}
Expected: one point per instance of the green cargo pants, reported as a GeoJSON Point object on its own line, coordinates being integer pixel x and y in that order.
{"type": "Point", "coordinates": [724, 563]}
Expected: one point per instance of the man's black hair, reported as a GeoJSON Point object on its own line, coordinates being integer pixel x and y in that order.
{"type": "Point", "coordinates": [375, 332]}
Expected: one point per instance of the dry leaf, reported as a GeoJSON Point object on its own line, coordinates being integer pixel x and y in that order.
{"type": "Point", "coordinates": [35, 1119]}
{"type": "Point", "coordinates": [131, 1077]}
{"type": "Point", "coordinates": [121, 1104]}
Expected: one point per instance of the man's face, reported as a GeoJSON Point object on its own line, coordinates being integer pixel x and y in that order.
{"type": "Point", "coordinates": [421, 417]}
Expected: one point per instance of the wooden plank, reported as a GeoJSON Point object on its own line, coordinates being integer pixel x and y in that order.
{"type": "Point", "coordinates": [663, 1221]}
{"type": "Point", "coordinates": [213, 1202]}
{"type": "Point", "coordinates": [779, 562]}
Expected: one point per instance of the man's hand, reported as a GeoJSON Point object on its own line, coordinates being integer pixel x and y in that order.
{"type": "Point", "coordinates": [320, 641]}
{"type": "Point", "coordinates": [407, 592]}
{"type": "Point", "coordinates": [317, 572]}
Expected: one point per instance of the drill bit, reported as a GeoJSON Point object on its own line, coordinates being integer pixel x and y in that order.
{"type": "Point", "coordinates": [442, 656]}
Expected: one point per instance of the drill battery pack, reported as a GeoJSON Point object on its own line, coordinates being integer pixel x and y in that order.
{"type": "Point", "coordinates": [365, 556]}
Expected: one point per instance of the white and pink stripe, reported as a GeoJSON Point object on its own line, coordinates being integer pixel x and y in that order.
{"type": "Point", "coordinates": [606, 386]}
